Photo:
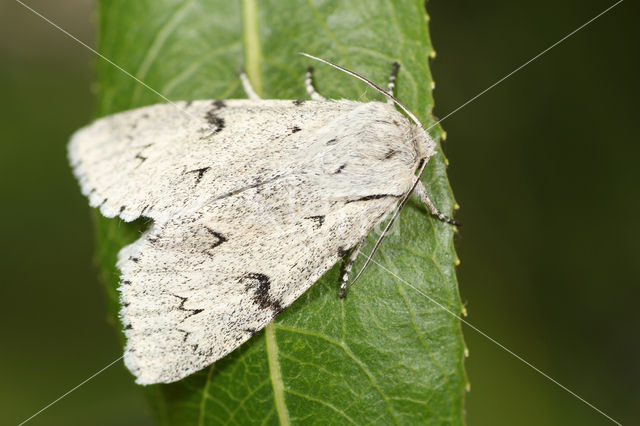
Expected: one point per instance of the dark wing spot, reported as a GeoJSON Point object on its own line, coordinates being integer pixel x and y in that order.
{"type": "Point", "coordinates": [214, 120]}
{"type": "Point", "coordinates": [339, 169]}
{"type": "Point", "coordinates": [185, 334]}
{"type": "Point", "coordinates": [181, 307]}
{"type": "Point", "coordinates": [219, 238]}
{"type": "Point", "coordinates": [318, 219]}
{"type": "Point", "coordinates": [390, 154]}
{"type": "Point", "coordinates": [332, 141]}
{"type": "Point", "coordinates": [295, 129]}
{"type": "Point", "coordinates": [298, 102]}
{"type": "Point", "coordinates": [140, 157]}
{"type": "Point", "coordinates": [342, 251]}
{"type": "Point", "coordinates": [219, 104]}
{"type": "Point", "coordinates": [260, 284]}
{"type": "Point", "coordinates": [122, 208]}
{"type": "Point", "coordinates": [200, 173]}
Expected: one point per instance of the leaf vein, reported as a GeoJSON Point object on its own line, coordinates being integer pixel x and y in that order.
{"type": "Point", "coordinates": [161, 38]}
{"type": "Point", "coordinates": [351, 355]}
{"type": "Point", "coordinates": [319, 401]}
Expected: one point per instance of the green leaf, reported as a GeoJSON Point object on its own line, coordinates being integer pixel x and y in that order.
{"type": "Point", "coordinates": [386, 354]}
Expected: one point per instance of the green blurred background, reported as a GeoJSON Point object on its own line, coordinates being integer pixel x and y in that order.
{"type": "Point", "coordinates": [544, 167]}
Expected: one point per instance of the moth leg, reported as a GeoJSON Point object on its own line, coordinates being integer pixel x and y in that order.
{"type": "Point", "coordinates": [421, 193]}
{"type": "Point", "coordinates": [248, 89]}
{"type": "Point", "coordinates": [347, 268]}
{"type": "Point", "coordinates": [308, 84]}
{"type": "Point", "coordinates": [392, 80]}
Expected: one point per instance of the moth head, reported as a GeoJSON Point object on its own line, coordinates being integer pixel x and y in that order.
{"type": "Point", "coordinates": [425, 147]}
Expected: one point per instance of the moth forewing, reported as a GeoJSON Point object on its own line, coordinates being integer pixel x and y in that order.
{"type": "Point", "coordinates": [252, 202]}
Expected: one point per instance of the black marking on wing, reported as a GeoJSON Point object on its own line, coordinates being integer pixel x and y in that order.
{"type": "Point", "coordinates": [181, 307]}
{"type": "Point", "coordinates": [140, 157]}
{"type": "Point", "coordinates": [339, 169]}
{"type": "Point", "coordinates": [219, 239]}
{"type": "Point", "coordinates": [122, 208]}
{"type": "Point", "coordinates": [185, 335]}
{"type": "Point", "coordinates": [218, 104]}
{"type": "Point", "coordinates": [343, 251]}
{"type": "Point", "coordinates": [214, 120]}
{"type": "Point", "coordinates": [260, 284]}
{"type": "Point", "coordinates": [200, 173]}
{"type": "Point", "coordinates": [372, 197]}
{"type": "Point", "coordinates": [318, 219]}
{"type": "Point", "coordinates": [332, 141]}
{"type": "Point", "coordinates": [245, 188]}
{"type": "Point", "coordinates": [298, 102]}
{"type": "Point", "coordinates": [134, 259]}
{"type": "Point", "coordinates": [295, 129]}
{"type": "Point", "coordinates": [390, 154]}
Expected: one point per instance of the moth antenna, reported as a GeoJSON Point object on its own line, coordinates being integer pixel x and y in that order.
{"type": "Point", "coordinates": [422, 167]}
{"type": "Point", "coordinates": [370, 83]}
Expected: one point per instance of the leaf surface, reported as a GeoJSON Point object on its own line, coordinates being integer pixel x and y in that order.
{"type": "Point", "coordinates": [386, 354]}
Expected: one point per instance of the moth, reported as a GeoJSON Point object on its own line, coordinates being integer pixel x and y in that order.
{"type": "Point", "coordinates": [252, 201]}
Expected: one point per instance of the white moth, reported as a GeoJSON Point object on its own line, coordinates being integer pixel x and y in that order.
{"type": "Point", "coordinates": [252, 201]}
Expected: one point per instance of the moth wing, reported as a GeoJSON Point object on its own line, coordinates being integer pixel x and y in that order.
{"type": "Point", "coordinates": [195, 288]}
{"type": "Point", "coordinates": [166, 159]}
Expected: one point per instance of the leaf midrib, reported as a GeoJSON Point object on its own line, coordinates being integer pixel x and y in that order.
{"type": "Point", "coordinates": [275, 375]}
{"type": "Point", "coordinates": [251, 39]}
{"type": "Point", "coordinates": [253, 56]}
